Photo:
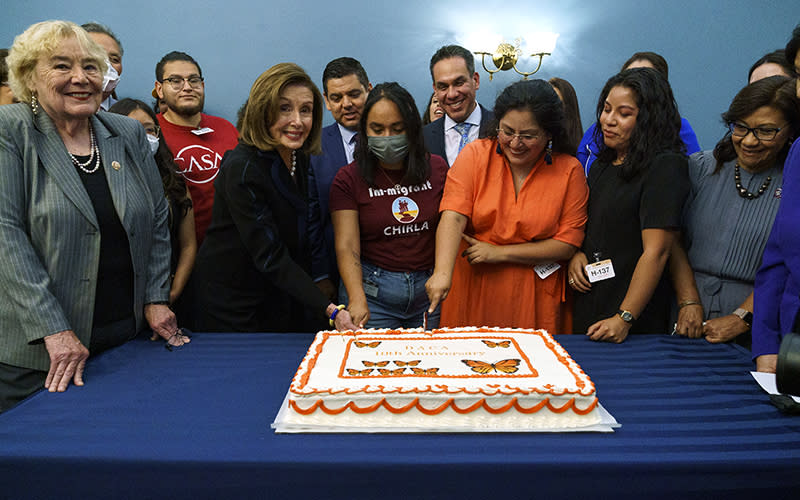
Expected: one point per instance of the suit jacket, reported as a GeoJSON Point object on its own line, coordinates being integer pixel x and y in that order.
{"type": "Point", "coordinates": [776, 301]}
{"type": "Point", "coordinates": [320, 177]}
{"type": "Point", "coordinates": [434, 132]}
{"type": "Point", "coordinates": [255, 259]}
{"type": "Point", "coordinates": [49, 236]}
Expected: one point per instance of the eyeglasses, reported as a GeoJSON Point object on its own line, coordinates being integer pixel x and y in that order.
{"type": "Point", "coordinates": [507, 135]}
{"type": "Point", "coordinates": [155, 130]}
{"type": "Point", "coordinates": [760, 133]}
{"type": "Point", "coordinates": [176, 82]}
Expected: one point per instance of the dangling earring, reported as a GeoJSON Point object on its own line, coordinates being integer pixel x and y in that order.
{"type": "Point", "coordinates": [548, 152]}
{"type": "Point", "coordinates": [34, 104]}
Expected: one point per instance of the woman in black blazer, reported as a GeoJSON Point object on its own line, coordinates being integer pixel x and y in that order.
{"type": "Point", "coordinates": [255, 261]}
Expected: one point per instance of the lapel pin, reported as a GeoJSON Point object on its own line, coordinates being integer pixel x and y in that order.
{"type": "Point", "coordinates": [115, 165]}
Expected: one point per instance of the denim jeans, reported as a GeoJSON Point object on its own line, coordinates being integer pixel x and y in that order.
{"type": "Point", "coordinates": [395, 300]}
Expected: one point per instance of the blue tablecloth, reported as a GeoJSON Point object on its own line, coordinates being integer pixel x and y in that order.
{"type": "Point", "coordinates": [195, 424]}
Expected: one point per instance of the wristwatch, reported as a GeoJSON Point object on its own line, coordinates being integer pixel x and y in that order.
{"type": "Point", "coordinates": [744, 315]}
{"type": "Point", "coordinates": [626, 316]}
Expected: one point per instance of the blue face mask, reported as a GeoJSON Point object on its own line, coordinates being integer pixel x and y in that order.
{"type": "Point", "coordinates": [390, 149]}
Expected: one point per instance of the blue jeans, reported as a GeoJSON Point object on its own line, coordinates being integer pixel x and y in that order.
{"type": "Point", "coordinates": [395, 300]}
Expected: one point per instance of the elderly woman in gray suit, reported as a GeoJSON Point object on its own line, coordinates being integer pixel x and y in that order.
{"type": "Point", "coordinates": [83, 232]}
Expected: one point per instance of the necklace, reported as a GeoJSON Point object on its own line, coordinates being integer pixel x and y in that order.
{"type": "Point", "coordinates": [94, 155]}
{"type": "Point", "coordinates": [391, 181]}
{"type": "Point", "coordinates": [744, 193]}
{"type": "Point", "coordinates": [294, 163]}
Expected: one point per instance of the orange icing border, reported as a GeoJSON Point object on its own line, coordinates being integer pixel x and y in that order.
{"type": "Point", "coordinates": [569, 405]}
{"type": "Point", "coordinates": [554, 347]}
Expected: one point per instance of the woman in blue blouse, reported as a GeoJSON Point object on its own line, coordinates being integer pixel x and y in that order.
{"type": "Point", "coordinates": [735, 194]}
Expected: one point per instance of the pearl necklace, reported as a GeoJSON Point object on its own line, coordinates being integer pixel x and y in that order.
{"type": "Point", "coordinates": [744, 193]}
{"type": "Point", "coordinates": [94, 156]}
{"type": "Point", "coordinates": [294, 163]}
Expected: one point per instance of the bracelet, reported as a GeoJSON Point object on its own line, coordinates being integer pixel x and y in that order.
{"type": "Point", "coordinates": [335, 313]}
{"type": "Point", "coordinates": [685, 303]}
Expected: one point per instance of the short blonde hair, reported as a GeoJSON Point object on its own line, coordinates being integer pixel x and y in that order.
{"type": "Point", "coordinates": [40, 40]}
{"type": "Point", "coordinates": [262, 108]}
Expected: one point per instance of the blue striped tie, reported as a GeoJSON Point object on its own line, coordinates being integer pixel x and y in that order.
{"type": "Point", "coordinates": [463, 129]}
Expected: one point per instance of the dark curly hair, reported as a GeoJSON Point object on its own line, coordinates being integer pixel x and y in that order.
{"type": "Point", "coordinates": [538, 97]}
{"type": "Point", "coordinates": [658, 122]}
{"type": "Point", "coordinates": [417, 162]}
{"type": "Point", "coordinates": [777, 92]}
{"type": "Point", "coordinates": [174, 185]}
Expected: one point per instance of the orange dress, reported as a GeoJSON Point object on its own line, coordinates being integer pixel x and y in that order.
{"type": "Point", "coordinates": [551, 204]}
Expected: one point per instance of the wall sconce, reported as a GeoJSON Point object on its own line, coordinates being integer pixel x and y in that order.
{"type": "Point", "coordinates": [505, 57]}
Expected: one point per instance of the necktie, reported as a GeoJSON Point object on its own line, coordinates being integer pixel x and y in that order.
{"type": "Point", "coordinates": [463, 129]}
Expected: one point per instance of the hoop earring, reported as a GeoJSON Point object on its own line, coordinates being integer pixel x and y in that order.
{"type": "Point", "coordinates": [34, 104]}
{"type": "Point", "coordinates": [548, 152]}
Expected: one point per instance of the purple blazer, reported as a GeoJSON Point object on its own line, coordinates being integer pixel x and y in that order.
{"type": "Point", "coordinates": [777, 286]}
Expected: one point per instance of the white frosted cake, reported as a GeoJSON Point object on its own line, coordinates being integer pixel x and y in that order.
{"type": "Point", "coordinates": [453, 379]}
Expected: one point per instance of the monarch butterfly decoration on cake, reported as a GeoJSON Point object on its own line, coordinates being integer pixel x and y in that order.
{"type": "Point", "coordinates": [425, 371]}
{"type": "Point", "coordinates": [368, 344]}
{"type": "Point", "coordinates": [503, 366]}
{"type": "Point", "coordinates": [385, 371]}
{"type": "Point", "coordinates": [408, 363]}
{"type": "Point", "coordinates": [502, 343]}
{"type": "Point", "coordinates": [360, 373]}
{"type": "Point", "coordinates": [376, 363]}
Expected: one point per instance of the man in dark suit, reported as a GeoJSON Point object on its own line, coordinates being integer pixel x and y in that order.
{"type": "Point", "coordinates": [345, 87]}
{"type": "Point", "coordinates": [455, 83]}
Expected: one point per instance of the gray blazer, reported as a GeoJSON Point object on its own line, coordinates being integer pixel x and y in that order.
{"type": "Point", "coordinates": [49, 237]}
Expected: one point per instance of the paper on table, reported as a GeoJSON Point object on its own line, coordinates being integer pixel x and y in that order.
{"type": "Point", "coordinates": [767, 382]}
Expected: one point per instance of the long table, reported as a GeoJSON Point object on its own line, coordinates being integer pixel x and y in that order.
{"type": "Point", "coordinates": [195, 423]}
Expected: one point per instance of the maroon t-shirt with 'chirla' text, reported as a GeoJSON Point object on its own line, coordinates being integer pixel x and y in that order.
{"type": "Point", "coordinates": [397, 221]}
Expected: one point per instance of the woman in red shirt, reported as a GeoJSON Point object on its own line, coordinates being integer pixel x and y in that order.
{"type": "Point", "coordinates": [385, 210]}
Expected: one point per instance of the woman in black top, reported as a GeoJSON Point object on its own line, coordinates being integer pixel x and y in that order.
{"type": "Point", "coordinates": [253, 266]}
{"type": "Point", "coordinates": [636, 193]}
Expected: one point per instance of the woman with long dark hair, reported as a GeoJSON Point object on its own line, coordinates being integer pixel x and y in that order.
{"type": "Point", "coordinates": [385, 210]}
{"type": "Point", "coordinates": [636, 191]}
{"type": "Point", "coordinates": [514, 209]}
{"type": "Point", "coordinates": [572, 112]}
{"type": "Point", "coordinates": [181, 215]}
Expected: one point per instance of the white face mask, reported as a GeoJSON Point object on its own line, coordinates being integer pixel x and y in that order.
{"type": "Point", "coordinates": [153, 143]}
{"type": "Point", "coordinates": [110, 79]}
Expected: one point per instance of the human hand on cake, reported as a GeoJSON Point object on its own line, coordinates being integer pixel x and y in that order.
{"type": "Point", "coordinates": [359, 312]}
{"type": "Point", "coordinates": [340, 318]}
{"type": "Point", "coordinates": [480, 252]}
{"type": "Point", "coordinates": [437, 288]}
{"type": "Point", "coordinates": [576, 273]}
{"type": "Point", "coordinates": [613, 329]}
{"type": "Point", "coordinates": [724, 328]}
{"type": "Point", "coordinates": [690, 321]}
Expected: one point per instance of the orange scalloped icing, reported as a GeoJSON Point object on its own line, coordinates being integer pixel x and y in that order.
{"type": "Point", "coordinates": [569, 405]}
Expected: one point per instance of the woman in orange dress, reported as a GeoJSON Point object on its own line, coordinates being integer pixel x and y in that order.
{"type": "Point", "coordinates": [512, 214]}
